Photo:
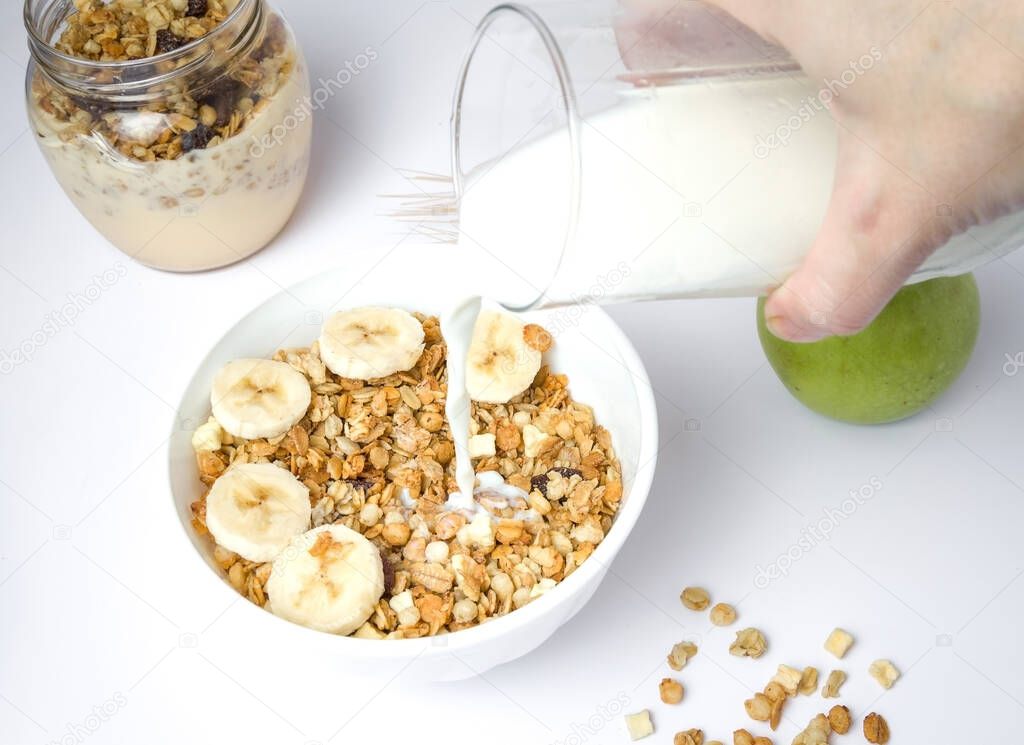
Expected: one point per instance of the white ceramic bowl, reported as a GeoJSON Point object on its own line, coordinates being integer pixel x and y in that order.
{"type": "Point", "coordinates": [604, 371]}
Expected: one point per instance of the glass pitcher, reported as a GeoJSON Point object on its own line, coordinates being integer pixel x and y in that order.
{"type": "Point", "coordinates": [607, 152]}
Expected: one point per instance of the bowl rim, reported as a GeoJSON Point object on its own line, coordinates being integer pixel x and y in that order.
{"type": "Point", "coordinates": [447, 644]}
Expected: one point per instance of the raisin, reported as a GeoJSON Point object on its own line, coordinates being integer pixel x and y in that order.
{"type": "Point", "coordinates": [363, 484]}
{"type": "Point", "coordinates": [167, 41]}
{"type": "Point", "coordinates": [223, 97]}
{"type": "Point", "coordinates": [197, 139]}
{"type": "Point", "coordinates": [196, 8]}
{"type": "Point", "coordinates": [389, 573]}
{"type": "Point", "coordinates": [540, 483]}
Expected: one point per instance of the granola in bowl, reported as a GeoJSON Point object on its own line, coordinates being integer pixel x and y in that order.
{"type": "Point", "coordinates": [377, 460]}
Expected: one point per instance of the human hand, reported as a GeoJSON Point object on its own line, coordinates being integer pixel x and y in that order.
{"type": "Point", "coordinates": [931, 141]}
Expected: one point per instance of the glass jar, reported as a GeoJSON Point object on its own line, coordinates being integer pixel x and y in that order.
{"type": "Point", "coordinates": [180, 129]}
{"type": "Point", "coordinates": [620, 150]}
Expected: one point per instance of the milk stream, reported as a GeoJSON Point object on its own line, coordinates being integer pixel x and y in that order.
{"type": "Point", "coordinates": [703, 189]}
{"type": "Point", "coordinates": [457, 328]}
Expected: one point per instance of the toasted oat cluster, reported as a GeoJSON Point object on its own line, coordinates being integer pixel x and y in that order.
{"type": "Point", "coordinates": [180, 119]}
{"type": "Point", "coordinates": [378, 457]}
{"type": "Point", "coordinates": [132, 29]}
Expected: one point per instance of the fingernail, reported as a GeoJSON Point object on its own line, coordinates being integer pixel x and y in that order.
{"type": "Point", "coordinates": [786, 330]}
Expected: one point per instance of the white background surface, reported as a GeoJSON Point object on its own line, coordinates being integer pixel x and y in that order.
{"type": "Point", "coordinates": [94, 605]}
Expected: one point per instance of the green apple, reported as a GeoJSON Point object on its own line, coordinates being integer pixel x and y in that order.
{"type": "Point", "coordinates": [912, 352]}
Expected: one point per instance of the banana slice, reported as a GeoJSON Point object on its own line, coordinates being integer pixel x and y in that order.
{"type": "Point", "coordinates": [500, 364]}
{"type": "Point", "coordinates": [255, 509]}
{"type": "Point", "coordinates": [254, 398]}
{"type": "Point", "coordinates": [367, 343]}
{"type": "Point", "coordinates": [329, 578]}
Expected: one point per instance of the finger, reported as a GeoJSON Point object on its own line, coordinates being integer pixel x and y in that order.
{"type": "Point", "coordinates": [876, 232]}
{"type": "Point", "coordinates": [760, 16]}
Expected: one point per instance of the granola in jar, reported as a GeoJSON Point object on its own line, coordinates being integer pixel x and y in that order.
{"type": "Point", "coordinates": [177, 127]}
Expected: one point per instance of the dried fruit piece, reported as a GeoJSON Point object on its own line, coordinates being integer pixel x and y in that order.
{"type": "Point", "coordinates": [759, 708]}
{"type": "Point", "coordinates": [839, 719]}
{"type": "Point", "coordinates": [808, 681]}
{"type": "Point", "coordinates": [884, 672]}
{"type": "Point", "coordinates": [166, 41]}
{"type": "Point", "coordinates": [196, 8]}
{"type": "Point", "coordinates": [723, 614]}
{"type": "Point", "coordinates": [695, 598]}
{"type": "Point", "coordinates": [639, 725]}
{"type": "Point", "coordinates": [670, 690]}
{"type": "Point", "coordinates": [197, 139]}
{"type": "Point", "coordinates": [839, 643]}
{"type": "Point", "coordinates": [789, 678]}
{"type": "Point", "coordinates": [833, 683]}
{"type": "Point", "coordinates": [876, 729]}
{"type": "Point", "coordinates": [749, 643]}
{"type": "Point", "coordinates": [680, 654]}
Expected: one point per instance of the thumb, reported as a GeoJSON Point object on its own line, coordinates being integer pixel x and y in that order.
{"type": "Point", "coordinates": [879, 227]}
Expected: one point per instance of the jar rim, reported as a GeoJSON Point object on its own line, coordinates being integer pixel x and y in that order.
{"type": "Point", "coordinates": [37, 42]}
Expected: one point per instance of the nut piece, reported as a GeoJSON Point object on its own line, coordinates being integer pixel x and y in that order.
{"type": "Point", "coordinates": [808, 681]}
{"type": "Point", "coordinates": [817, 732]}
{"type": "Point", "coordinates": [749, 643]}
{"type": "Point", "coordinates": [759, 708]}
{"type": "Point", "coordinates": [775, 692]}
{"type": "Point", "coordinates": [789, 678]}
{"type": "Point", "coordinates": [681, 654]}
{"type": "Point", "coordinates": [835, 681]}
{"type": "Point", "coordinates": [776, 713]}
{"type": "Point", "coordinates": [723, 614]}
{"type": "Point", "coordinates": [884, 672]}
{"type": "Point", "coordinates": [839, 719]}
{"type": "Point", "coordinates": [742, 737]}
{"type": "Point", "coordinates": [690, 737]}
{"type": "Point", "coordinates": [695, 598]}
{"type": "Point", "coordinates": [639, 725]}
{"type": "Point", "coordinates": [670, 690]}
{"type": "Point", "coordinates": [876, 729]}
{"type": "Point", "coordinates": [537, 337]}
{"type": "Point", "coordinates": [839, 643]}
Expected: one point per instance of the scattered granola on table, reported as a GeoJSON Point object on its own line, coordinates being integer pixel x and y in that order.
{"type": "Point", "coordinates": [723, 614]}
{"type": "Point", "coordinates": [695, 598]}
{"type": "Point", "coordinates": [670, 690]}
{"type": "Point", "coordinates": [377, 457]}
{"type": "Point", "coordinates": [876, 729]}
{"type": "Point", "coordinates": [749, 643]}
{"type": "Point", "coordinates": [833, 683]}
